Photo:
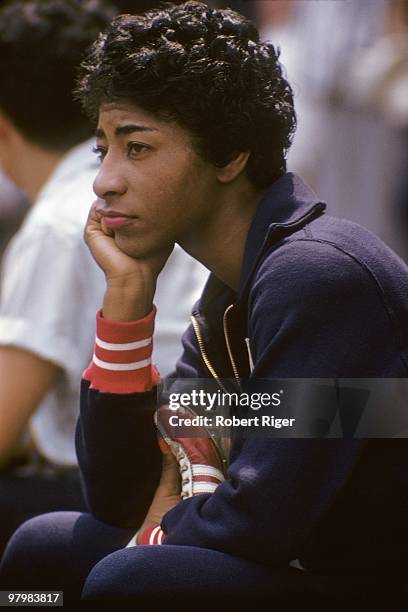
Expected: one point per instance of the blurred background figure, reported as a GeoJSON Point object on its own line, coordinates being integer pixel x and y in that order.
{"type": "Point", "coordinates": [348, 63]}
{"type": "Point", "coordinates": [50, 286]}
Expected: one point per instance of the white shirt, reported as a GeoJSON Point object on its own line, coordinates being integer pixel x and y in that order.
{"type": "Point", "coordinates": [51, 289]}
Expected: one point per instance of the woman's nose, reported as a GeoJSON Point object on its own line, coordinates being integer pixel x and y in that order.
{"type": "Point", "coordinates": [108, 181]}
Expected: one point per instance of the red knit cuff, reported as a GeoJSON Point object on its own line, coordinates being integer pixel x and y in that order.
{"type": "Point", "coordinates": [151, 535]}
{"type": "Point", "coordinates": [122, 356]}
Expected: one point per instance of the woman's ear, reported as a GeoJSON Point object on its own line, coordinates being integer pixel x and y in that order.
{"type": "Point", "coordinates": [228, 173]}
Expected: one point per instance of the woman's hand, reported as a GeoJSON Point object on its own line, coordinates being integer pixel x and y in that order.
{"type": "Point", "coordinates": [131, 283]}
{"type": "Point", "coordinates": [168, 491]}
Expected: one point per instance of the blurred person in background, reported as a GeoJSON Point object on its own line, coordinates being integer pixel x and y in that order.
{"type": "Point", "coordinates": [345, 59]}
{"type": "Point", "coordinates": [50, 285]}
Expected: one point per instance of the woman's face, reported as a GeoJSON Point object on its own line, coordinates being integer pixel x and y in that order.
{"type": "Point", "coordinates": [154, 189]}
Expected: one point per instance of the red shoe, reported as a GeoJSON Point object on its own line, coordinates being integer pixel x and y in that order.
{"type": "Point", "coordinates": [201, 467]}
{"type": "Point", "coordinates": [200, 464]}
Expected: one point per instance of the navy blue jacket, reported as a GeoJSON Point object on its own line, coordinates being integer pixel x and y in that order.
{"type": "Point", "coordinates": [322, 298]}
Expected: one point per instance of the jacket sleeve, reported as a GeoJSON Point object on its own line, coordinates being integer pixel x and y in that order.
{"type": "Point", "coordinates": [116, 439]}
{"type": "Point", "coordinates": [309, 318]}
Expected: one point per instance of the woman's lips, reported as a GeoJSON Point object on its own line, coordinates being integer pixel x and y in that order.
{"type": "Point", "coordinates": [116, 221]}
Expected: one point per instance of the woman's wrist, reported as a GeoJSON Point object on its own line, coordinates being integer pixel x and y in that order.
{"type": "Point", "coordinates": [125, 304]}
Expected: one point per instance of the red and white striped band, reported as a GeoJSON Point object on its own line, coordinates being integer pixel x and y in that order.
{"type": "Point", "coordinates": [122, 358]}
{"type": "Point", "coordinates": [151, 535]}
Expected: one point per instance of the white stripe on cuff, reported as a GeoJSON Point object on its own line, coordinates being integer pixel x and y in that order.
{"type": "Point", "coordinates": [153, 534]}
{"type": "Point", "coordinates": [128, 346]}
{"type": "Point", "coordinates": [121, 367]}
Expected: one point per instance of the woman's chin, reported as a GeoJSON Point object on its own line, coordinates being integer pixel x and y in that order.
{"type": "Point", "coordinates": [136, 247]}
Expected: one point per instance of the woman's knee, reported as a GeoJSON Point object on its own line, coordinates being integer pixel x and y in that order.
{"type": "Point", "coordinates": [58, 550]}
{"type": "Point", "coordinates": [36, 553]}
{"type": "Point", "coordinates": [157, 573]}
{"type": "Point", "coordinates": [128, 573]}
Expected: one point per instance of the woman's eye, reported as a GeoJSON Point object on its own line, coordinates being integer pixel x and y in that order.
{"type": "Point", "coordinates": [100, 152]}
{"type": "Point", "coordinates": [136, 148]}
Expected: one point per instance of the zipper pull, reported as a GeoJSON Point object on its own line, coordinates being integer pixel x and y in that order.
{"type": "Point", "coordinates": [251, 361]}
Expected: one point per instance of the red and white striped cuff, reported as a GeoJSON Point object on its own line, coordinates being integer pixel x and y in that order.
{"type": "Point", "coordinates": [122, 358]}
{"type": "Point", "coordinates": [151, 535]}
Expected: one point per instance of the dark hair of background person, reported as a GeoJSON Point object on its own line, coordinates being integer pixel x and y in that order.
{"type": "Point", "coordinates": [205, 69]}
{"type": "Point", "coordinates": [42, 42]}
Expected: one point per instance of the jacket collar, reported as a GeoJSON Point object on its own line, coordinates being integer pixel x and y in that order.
{"type": "Point", "coordinates": [287, 205]}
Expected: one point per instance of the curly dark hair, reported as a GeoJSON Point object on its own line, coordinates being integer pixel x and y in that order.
{"type": "Point", "coordinates": [207, 70]}
{"type": "Point", "coordinates": [42, 42]}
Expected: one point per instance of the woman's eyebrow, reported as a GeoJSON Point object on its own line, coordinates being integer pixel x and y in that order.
{"type": "Point", "coordinates": [126, 129]}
